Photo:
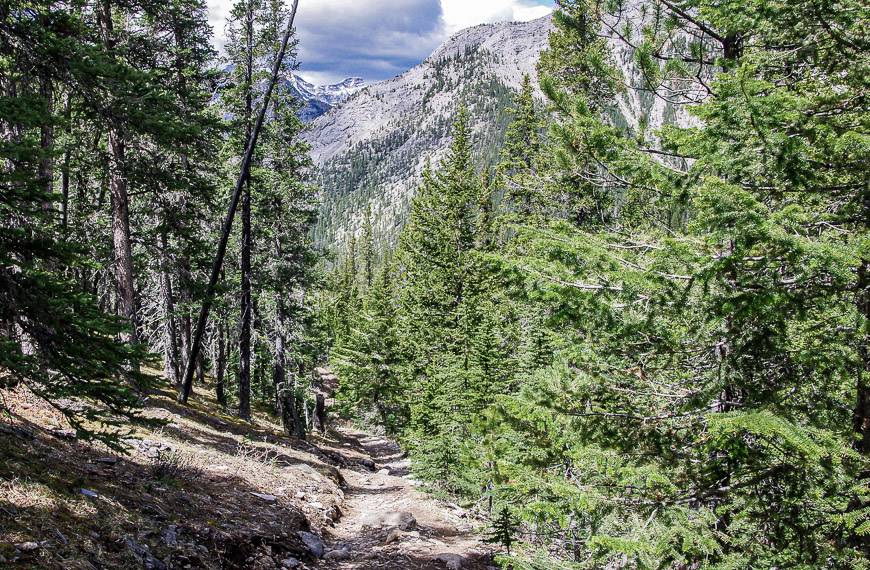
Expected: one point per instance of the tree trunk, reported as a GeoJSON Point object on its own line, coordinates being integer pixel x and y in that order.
{"type": "Point", "coordinates": [46, 143]}
{"type": "Point", "coordinates": [64, 177]}
{"type": "Point", "coordinates": [320, 413]}
{"type": "Point", "coordinates": [245, 329]}
{"type": "Point", "coordinates": [170, 338]}
{"type": "Point", "coordinates": [861, 413]}
{"type": "Point", "coordinates": [279, 368]}
{"type": "Point", "coordinates": [121, 246]}
{"type": "Point", "coordinates": [220, 363]}
{"type": "Point", "coordinates": [185, 283]}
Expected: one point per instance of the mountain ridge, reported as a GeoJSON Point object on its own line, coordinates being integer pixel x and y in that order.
{"type": "Point", "coordinates": [319, 99]}
{"type": "Point", "coordinates": [370, 150]}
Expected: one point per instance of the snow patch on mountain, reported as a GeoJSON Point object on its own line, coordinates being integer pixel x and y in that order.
{"type": "Point", "coordinates": [319, 99]}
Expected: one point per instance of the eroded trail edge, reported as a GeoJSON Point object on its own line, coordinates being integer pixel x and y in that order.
{"type": "Point", "coordinates": [387, 523]}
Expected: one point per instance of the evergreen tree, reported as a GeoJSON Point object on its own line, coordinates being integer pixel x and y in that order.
{"type": "Point", "coordinates": [679, 407]}
{"type": "Point", "coordinates": [521, 149]}
{"type": "Point", "coordinates": [370, 361]}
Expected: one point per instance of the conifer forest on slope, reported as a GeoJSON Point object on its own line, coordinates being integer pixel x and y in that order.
{"type": "Point", "coordinates": [621, 344]}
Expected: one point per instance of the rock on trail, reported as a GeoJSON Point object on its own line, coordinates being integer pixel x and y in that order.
{"type": "Point", "coordinates": [388, 525]}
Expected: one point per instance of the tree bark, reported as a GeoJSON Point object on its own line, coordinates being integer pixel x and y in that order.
{"type": "Point", "coordinates": [121, 244]}
{"type": "Point", "coordinates": [170, 338]}
{"type": "Point", "coordinates": [861, 413]}
{"type": "Point", "coordinates": [46, 144]}
{"type": "Point", "coordinates": [64, 177]}
{"type": "Point", "coordinates": [220, 363]}
{"type": "Point", "coordinates": [320, 413]}
{"type": "Point", "coordinates": [245, 328]}
{"type": "Point", "coordinates": [279, 368]}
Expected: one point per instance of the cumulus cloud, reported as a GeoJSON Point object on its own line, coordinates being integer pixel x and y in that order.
{"type": "Point", "coordinates": [377, 39]}
{"type": "Point", "coordinates": [461, 14]}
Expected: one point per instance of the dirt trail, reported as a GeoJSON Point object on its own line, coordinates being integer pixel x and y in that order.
{"type": "Point", "coordinates": [388, 524]}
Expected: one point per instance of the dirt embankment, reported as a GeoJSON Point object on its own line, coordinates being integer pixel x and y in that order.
{"type": "Point", "coordinates": [208, 491]}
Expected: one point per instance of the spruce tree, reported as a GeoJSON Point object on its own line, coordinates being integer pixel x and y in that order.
{"type": "Point", "coordinates": [700, 398]}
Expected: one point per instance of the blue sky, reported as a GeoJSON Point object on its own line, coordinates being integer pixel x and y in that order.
{"type": "Point", "coordinates": [377, 39]}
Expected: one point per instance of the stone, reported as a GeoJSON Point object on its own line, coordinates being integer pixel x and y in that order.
{"type": "Point", "coordinates": [290, 563]}
{"type": "Point", "coordinates": [451, 561]}
{"type": "Point", "coordinates": [402, 520]}
{"type": "Point", "coordinates": [170, 536]}
{"type": "Point", "coordinates": [64, 433]}
{"type": "Point", "coordinates": [89, 493]}
{"type": "Point", "coordinates": [271, 499]}
{"type": "Point", "coordinates": [341, 554]}
{"type": "Point", "coordinates": [27, 546]}
{"type": "Point", "coordinates": [384, 472]}
{"type": "Point", "coordinates": [316, 505]}
{"type": "Point", "coordinates": [312, 542]}
{"type": "Point", "coordinates": [394, 535]}
{"type": "Point", "coordinates": [300, 494]}
{"type": "Point", "coordinates": [149, 562]}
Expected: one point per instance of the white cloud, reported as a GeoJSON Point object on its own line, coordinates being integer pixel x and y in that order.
{"type": "Point", "coordinates": [218, 10]}
{"type": "Point", "coordinates": [460, 14]}
{"type": "Point", "coordinates": [376, 39]}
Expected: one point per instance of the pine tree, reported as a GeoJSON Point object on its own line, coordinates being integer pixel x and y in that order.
{"type": "Point", "coordinates": [678, 406]}
{"type": "Point", "coordinates": [368, 248]}
{"type": "Point", "coordinates": [520, 151]}
{"type": "Point", "coordinates": [504, 527]}
{"type": "Point", "coordinates": [370, 361]}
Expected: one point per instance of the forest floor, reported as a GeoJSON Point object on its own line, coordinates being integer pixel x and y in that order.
{"type": "Point", "coordinates": [206, 490]}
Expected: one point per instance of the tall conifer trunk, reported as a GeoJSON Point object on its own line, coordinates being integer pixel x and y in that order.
{"type": "Point", "coordinates": [245, 329]}
{"type": "Point", "coordinates": [220, 362]}
{"type": "Point", "coordinates": [121, 245]}
{"type": "Point", "coordinates": [46, 164]}
{"type": "Point", "coordinates": [170, 338]}
{"type": "Point", "coordinates": [861, 413]}
{"type": "Point", "coordinates": [64, 177]}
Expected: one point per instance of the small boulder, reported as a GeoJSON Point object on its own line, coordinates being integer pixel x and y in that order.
{"type": "Point", "coordinates": [312, 542]}
{"type": "Point", "coordinates": [451, 561]}
{"type": "Point", "coordinates": [290, 563]}
{"type": "Point", "coordinates": [89, 493]}
{"type": "Point", "coordinates": [271, 499]}
{"type": "Point", "coordinates": [339, 554]}
{"type": "Point", "coordinates": [394, 535]}
{"type": "Point", "coordinates": [384, 471]}
{"type": "Point", "coordinates": [27, 546]}
{"type": "Point", "coordinates": [402, 520]}
{"type": "Point", "coordinates": [170, 536]}
{"type": "Point", "coordinates": [140, 551]}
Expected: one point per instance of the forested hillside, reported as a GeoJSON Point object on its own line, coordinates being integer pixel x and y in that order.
{"type": "Point", "coordinates": [370, 152]}
{"type": "Point", "coordinates": [636, 345]}
{"type": "Point", "coordinates": [598, 284]}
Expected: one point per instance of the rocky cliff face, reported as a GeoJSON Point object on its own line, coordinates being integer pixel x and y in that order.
{"type": "Point", "coordinates": [319, 99]}
{"type": "Point", "coordinates": [371, 149]}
